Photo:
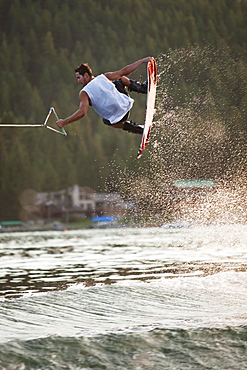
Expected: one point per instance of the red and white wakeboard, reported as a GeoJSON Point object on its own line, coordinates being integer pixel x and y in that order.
{"type": "Point", "coordinates": [151, 93]}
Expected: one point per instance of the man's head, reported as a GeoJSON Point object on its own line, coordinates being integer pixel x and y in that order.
{"type": "Point", "coordinates": [84, 68]}
{"type": "Point", "coordinates": [83, 74]}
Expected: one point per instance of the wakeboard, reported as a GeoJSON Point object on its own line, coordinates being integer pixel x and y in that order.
{"type": "Point", "coordinates": [150, 103]}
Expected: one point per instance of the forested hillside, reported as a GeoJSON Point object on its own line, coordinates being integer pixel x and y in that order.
{"type": "Point", "coordinates": [42, 41]}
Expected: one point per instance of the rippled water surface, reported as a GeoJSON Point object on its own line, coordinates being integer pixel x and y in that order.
{"type": "Point", "coordinates": [147, 298]}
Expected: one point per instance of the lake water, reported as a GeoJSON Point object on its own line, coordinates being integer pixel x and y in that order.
{"type": "Point", "coordinates": [145, 298]}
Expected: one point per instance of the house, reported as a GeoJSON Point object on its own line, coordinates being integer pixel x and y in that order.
{"type": "Point", "coordinates": [191, 189]}
{"type": "Point", "coordinates": [192, 199]}
{"type": "Point", "coordinates": [109, 204]}
{"type": "Point", "coordinates": [80, 202]}
{"type": "Point", "coordinates": [82, 198]}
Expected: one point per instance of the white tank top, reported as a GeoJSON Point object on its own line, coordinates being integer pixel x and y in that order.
{"type": "Point", "coordinates": [106, 100]}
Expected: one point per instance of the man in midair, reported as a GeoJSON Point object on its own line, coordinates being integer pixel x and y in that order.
{"type": "Point", "coordinates": [107, 94]}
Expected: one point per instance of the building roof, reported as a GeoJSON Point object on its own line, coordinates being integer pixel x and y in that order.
{"type": "Point", "coordinates": [200, 183]}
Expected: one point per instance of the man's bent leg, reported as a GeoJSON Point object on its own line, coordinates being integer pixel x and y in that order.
{"type": "Point", "coordinates": [138, 86]}
{"type": "Point", "coordinates": [132, 127]}
{"type": "Point", "coordinates": [114, 125]}
{"type": "Point", "coordinates": [120, 86]}
{"type": "Point", "coordinates": [119, 123]}
{"type": "Point", "coordinates": [126, 126]}
{"type": "Point", "coordinates": [132, 85]}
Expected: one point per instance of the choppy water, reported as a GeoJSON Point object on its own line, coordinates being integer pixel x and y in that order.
{"type": "Point", "coordinates": [148, 298]}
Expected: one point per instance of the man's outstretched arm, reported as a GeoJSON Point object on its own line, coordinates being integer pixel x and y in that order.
{"type": "Point", "coordinates": [127, 70]}
{"type": "Point", "coordinates": [80, 113]}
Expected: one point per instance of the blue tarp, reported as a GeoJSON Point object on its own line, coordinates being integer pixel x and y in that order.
{"type": "Point", "coordinates": [103, 218]}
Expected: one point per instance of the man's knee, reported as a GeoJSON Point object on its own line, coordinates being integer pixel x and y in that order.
{"type": "Point", "coordinates": [120, 86]}
{"type": "Point", "coordinates": [106, 122]}
{"type": "Point", "coordinates": [125, 80]}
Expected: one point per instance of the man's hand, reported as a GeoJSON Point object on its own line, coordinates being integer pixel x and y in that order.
{"type": "Point", "coordinates": [147, 59]}
{"type": "Point", "coordinates": [61, 123]}
{"type": "Point", "coordinates": [127, 70]}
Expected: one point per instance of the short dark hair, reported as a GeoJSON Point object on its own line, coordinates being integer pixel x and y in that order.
{"type": "Point", "coordinates": [84, 68]}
